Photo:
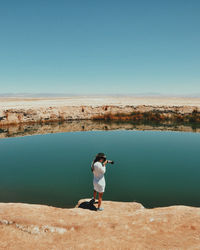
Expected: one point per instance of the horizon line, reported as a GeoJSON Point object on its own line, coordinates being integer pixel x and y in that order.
{"type": "Point", "coordinates": [43, 94]}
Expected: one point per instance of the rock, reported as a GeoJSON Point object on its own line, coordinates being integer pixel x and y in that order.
{"type": "Point", "coordinates": [122, 225]}
{"type": "Point", "coordinates": [42, 110]}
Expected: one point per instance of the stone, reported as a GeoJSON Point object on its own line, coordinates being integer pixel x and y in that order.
{"type": "Point", "coordinates": [122, 225]}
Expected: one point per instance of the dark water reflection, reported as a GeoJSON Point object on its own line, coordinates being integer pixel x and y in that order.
{"type": "Point", "coordinates": [155, 168]}
{"type": "Point", "coordinates": [88, 125]}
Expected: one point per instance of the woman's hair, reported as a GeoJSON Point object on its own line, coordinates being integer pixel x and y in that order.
{"type": "Point", "coordinates": [99, 156]}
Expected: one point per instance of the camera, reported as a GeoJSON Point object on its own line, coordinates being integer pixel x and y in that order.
{"type": "Point", "coordinates": [111, 162]}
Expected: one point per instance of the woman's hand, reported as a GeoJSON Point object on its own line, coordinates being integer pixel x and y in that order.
{"type": "Point", "coordinates": [104, 163]}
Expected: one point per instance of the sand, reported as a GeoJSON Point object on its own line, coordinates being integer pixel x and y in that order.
{"type": "Point", "coordinates": [122, 225]}
{"type": "Point", "coordinates": [26, 103]}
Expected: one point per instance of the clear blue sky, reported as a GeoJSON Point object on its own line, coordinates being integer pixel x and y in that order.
{"type": "Point", "coordinates": [105, 47]}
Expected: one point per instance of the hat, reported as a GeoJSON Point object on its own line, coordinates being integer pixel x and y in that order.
{"type": "Point", "coordinates": [101, 155]}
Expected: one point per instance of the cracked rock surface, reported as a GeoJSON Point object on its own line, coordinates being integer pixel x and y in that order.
{"type": "Point", "coordinates": [122, 225]}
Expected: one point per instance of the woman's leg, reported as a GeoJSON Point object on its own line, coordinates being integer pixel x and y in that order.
{"type": "Point", "coordinates": [100, 199]}
{"type": "Point", "coordinates": [95, 194]}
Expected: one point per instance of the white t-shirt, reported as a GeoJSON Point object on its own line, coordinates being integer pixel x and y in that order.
{"type": "Point", "coordinates": [99, 180]}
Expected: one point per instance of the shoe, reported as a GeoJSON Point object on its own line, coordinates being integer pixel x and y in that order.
{"type": "Point", "coordinates": [100, 209]}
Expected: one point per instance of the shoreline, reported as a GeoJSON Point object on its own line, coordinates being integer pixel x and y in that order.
{"type": "Point", "coordinates": [41, 110]}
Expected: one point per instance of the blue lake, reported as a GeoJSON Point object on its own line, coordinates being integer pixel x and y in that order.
{"type": "Point", "coordinates": [151, 167]}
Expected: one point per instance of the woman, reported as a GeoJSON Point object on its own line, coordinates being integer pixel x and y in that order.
{"type": "Point", "coordinates": [99, 169]}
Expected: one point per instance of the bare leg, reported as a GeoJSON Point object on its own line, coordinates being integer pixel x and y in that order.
{"type": "Point", "coordinates": [95, 194]}
{"type": "Point", "coordinates": [100, 199]}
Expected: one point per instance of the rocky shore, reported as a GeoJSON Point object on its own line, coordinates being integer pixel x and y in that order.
{"type": "Point", "coordinates": [122, 225]}
{"type": "Point", "coordinates": [28, 111]}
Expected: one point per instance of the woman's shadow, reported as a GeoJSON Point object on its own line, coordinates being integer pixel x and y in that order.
{"type": "Point", "coordinates": [88, 205]}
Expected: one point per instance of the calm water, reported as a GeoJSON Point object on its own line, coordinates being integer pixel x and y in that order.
{"type": "Point", "coordinates": [153, 168]}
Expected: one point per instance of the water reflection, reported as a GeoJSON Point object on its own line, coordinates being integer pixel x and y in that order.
{"type": "Point", "coordinates": [88, 125]}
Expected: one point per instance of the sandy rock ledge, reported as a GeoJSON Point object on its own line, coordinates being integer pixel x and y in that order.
{"type": "Point", "coordinates": [42, 110]}
{"type": "Point", "coordinates": [122, 225]}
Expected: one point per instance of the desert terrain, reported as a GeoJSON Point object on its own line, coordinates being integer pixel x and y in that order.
{"type": "Point", "coordinates": [25, 103]}
{"type": "Point", "coordinates": [122, 225]}
{"type": "Point", "coordinates": [15, 111]}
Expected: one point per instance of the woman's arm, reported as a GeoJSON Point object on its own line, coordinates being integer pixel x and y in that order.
{"type": "Point", "coordinates": [100, 167]}
{"type": "Point", "coordinates": [104, 163]}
